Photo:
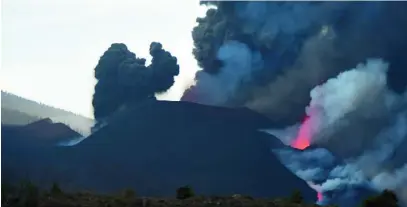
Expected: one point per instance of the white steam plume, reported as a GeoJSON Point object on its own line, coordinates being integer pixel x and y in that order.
{"type": "Point", "coordinates": [359, 93]}
{"type": "Point", "coordinates": [359, 119]}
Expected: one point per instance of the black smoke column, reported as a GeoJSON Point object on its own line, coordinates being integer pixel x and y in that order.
{"type": "Point", "coordinates": [124, 79]}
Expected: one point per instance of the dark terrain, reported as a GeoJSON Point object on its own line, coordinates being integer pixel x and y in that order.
{"type": "Point", "coordinates": [157, 147]}
{"type": "Point", "coordinates": [42, 132]}
{"type": "Point", "coordinates": [28, 195]}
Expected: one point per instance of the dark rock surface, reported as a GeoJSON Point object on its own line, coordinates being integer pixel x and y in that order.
{"type": "Point", "coordinates": [160, 146]}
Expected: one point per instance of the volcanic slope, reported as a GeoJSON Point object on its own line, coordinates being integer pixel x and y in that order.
{"type": "Point", "coordinates": [157, 147]}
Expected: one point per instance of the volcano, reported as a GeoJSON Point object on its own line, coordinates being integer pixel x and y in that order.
{"type": "Point", "coordinates": [157, 147]}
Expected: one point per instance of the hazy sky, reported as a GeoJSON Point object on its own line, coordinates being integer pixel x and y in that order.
{"type": "Point", "coordinates": [50, 47]}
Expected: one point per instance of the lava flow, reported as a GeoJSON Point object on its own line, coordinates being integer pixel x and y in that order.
{"type": "Point", "coordinates": [303, 138]}
{"type": "Point", "coordinates": [319, 196]}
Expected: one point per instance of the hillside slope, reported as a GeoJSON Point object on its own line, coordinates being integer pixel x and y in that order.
{"type": "Point", "coordinates": [43, 132]}
{"type": "Point", "coordinates": [161, 146]}
{"type": "Point", "coordinates": [19, 110]}
{"type": "Point", "coordinates": [14, 117]}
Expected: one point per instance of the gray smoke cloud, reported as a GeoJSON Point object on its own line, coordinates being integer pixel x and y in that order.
{"type": "Point", "coordinates": [305, 57]}
{"type": "Point", "coordinates": [239, 64]}
{"type": "Point", "coordinates": [299, 45]}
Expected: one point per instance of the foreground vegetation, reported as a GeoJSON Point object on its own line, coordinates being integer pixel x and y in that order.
{"type": "Point", "coordinates": [28, 195]}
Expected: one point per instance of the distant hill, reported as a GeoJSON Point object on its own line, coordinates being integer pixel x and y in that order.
{"type": "Point", "coordinates": [40, 132]}
{"type": "Point", "coordinates": [18, 110]}
{"type": "Point", "coordinates": [156, 148]}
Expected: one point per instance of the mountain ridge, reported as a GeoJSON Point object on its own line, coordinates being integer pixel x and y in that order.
{"type": "Point", "coordinates": [29, 111]}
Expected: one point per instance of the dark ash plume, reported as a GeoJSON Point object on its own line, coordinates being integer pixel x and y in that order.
{"type": "Point", "coordinates": [124, 78]}
{"type": "Point", "coordinates": [269, 55]}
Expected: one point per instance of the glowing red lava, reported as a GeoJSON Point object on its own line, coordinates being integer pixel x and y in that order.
{"type": "Point", "coordinates": [319, 196]}
{"type": "Point", "coordinates": [303, 138]}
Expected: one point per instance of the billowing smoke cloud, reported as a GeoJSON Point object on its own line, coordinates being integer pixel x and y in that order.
{"type": "Point", "coordinates": [361, 121]}
{"type": "Point", "coordinates": [279, 54]}
{"type": "Point", "coordinates": [337, 182]}
{"type": "Point", "coordinates": [291, 47]}
{"type": "Point", "coordinates": [124, 78]}
{"type": "Point", "coordinates": [357, 99]}
{"type": "Point", "coordinates": [239, 63]}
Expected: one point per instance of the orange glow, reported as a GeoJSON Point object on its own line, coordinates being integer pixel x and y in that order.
{"type": "Point", "coordinates": [303, 138]}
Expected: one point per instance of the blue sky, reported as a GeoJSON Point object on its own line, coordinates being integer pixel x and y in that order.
{"type": "Point", "coordinates": [50, 47]}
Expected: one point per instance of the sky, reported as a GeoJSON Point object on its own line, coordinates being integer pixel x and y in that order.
{"type": "Point", "coordinates": [51, 47]}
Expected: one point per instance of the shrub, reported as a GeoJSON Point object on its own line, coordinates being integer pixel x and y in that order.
{"type": "Point", "coordinates": [296, 197]}
{"type": "Point", "coordinates": [185, 192]}
{"type": "Point", "coordinates": [56, 190]}
{"type": "Point", "coordinates": [7, 191]}
{"type": "Point", "coordinates": [386, 198]}
{"type": "Point", "coordinates": [28, 194]}
{"type": "Point", "coordinates": [129, 193]}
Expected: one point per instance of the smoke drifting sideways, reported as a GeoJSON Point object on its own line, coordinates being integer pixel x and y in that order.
{"type": "Point", "coordinates": [269, 55]}
{"type": "Point", "coordinates": [72, 142]}
{"type": "Point", "coordinates": [356, 118]}
{"type": "Point", "coordinates": [123, 79]}
{"type": "Point", "coordinates": [76, 140]}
